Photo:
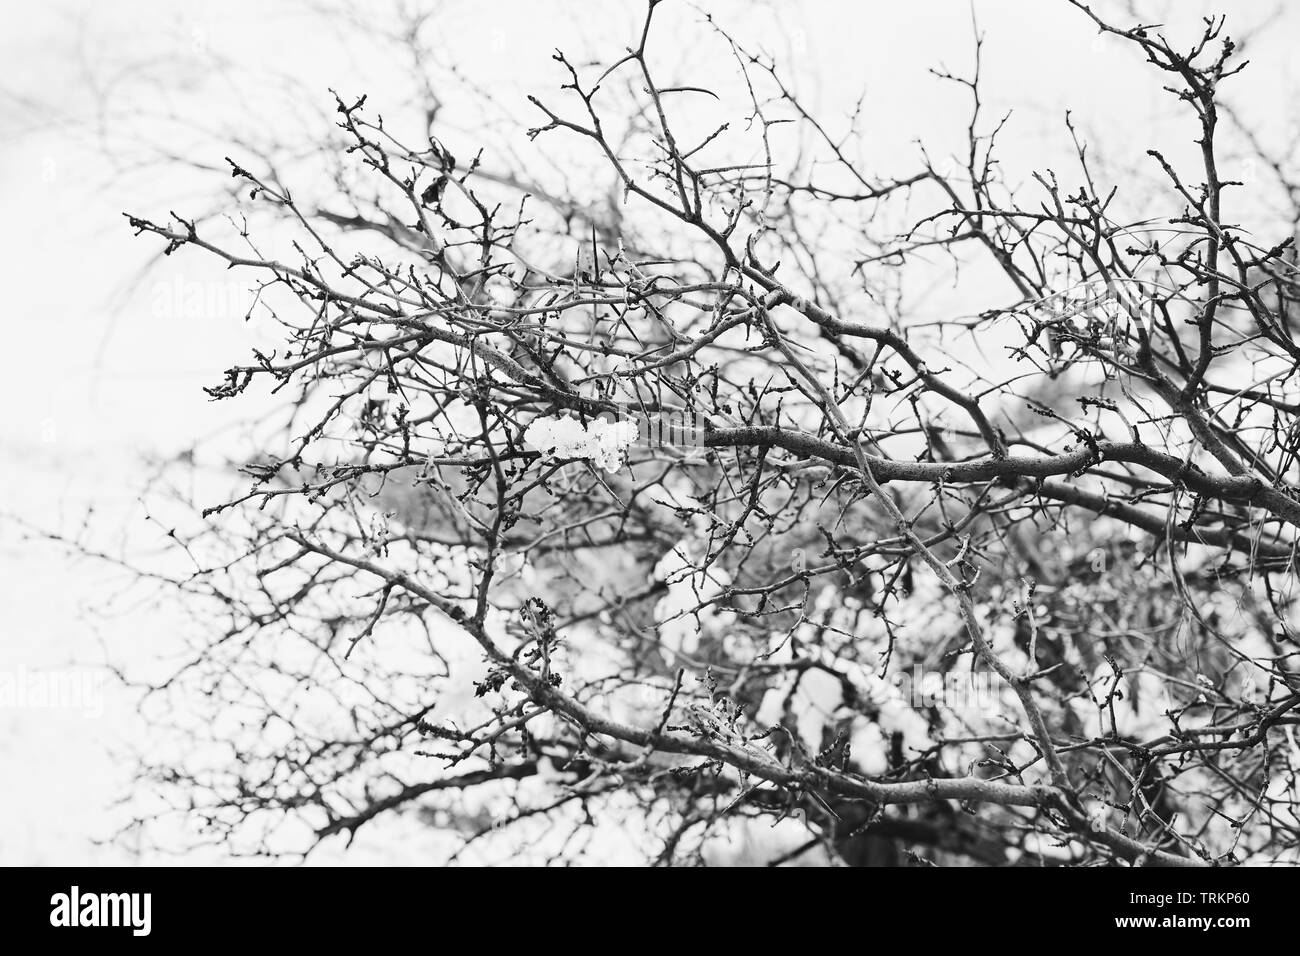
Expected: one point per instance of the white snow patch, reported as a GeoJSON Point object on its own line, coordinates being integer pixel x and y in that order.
{"type": "Point", "coordinates": [601, 442]}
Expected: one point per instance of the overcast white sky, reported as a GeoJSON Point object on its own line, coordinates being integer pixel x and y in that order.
{"type": "Point", "coordinates": [106, 364]}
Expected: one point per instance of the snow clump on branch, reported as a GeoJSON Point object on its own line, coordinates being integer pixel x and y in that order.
{"type": "Point", "coordinates": [601, 442]}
